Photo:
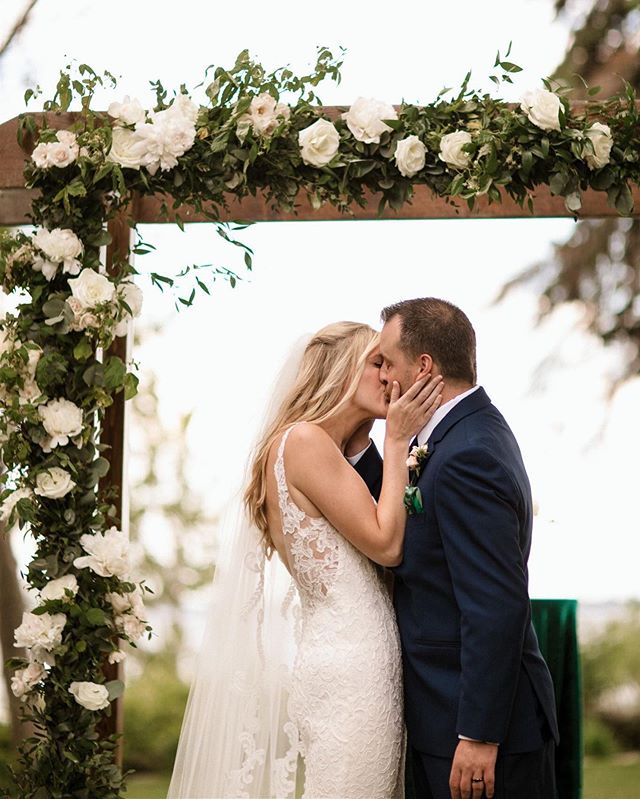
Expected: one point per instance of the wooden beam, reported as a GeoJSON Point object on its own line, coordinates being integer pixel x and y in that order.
{"type": "Point", "coordinates": [114, 434]}
{"type": "Point", "coordinates": [15, 199]}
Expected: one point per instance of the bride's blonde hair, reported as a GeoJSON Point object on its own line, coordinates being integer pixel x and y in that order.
{"type": "Point", "coordinates": [331, 368]}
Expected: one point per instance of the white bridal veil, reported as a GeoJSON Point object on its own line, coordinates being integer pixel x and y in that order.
{"type": "Point", "coordinates": [237, 739]}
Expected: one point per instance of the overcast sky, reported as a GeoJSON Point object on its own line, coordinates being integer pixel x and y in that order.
{"type": "Point", "coordinates": [219, 357]}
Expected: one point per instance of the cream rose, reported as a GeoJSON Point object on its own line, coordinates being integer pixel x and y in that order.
{"type": "Point", "coordinates": [54, 483]}
{"type": "Point", "coordinates": [600, 137]}
{"type": "Point", "coordinates": [60, 153]}
{"type": "Point", "coordinates": [128, 112]}
{"type": "Point", "coordinates": [82, 317]}
{"type": "Point", "coordinates": [264, 116]}
{"type": "Point", "coordinates": [90, 695]}
{"type": "Point", "coordinates": [107, 553]}
{"type": "Point", "coordinates": [24, 680]}
{"type": "Point", "coordinates": [117, 657]}
{"type": "Point", "coordinates": [319, 143]}
{"type": "Point", "coordinates": [364, 119]}
{"type": "Point", "coordinates": [56, 589]}
{"type": "Point", "coordinates": [410, 156]}
{"type": "Point", "coordinates": [62, 419]}
{"type": "Point", "coordinates": [543, 108]}
{"type": "Point", "coordinates": [91, 288]}
{"type": "Point", "coordinates": [127, 148]}
{"type": "Point", "coordinates": [451, 151]}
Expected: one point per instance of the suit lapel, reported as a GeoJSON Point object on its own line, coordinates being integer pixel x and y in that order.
{"type": "Point", "coordinates": [474, 402]}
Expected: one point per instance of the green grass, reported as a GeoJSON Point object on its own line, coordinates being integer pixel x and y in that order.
{"type": "Point", "coordinates": [607, 779]}
{"type": "Point", "coordinates": [148, 786]}
{"type": "Point", "coordinates": [612, 779]}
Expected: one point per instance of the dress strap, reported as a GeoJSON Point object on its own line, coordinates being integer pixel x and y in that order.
{"type": "Point", "coordinates": [288, 520]}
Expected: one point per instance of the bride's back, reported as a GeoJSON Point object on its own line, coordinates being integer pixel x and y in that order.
{"type": "Point", "coordinates": [274, 514]}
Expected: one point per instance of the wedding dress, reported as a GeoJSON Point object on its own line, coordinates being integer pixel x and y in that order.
{"type": "Point", "coordinates": [298, 685]}
{"type": "Point", "coordinates": [346, 693]}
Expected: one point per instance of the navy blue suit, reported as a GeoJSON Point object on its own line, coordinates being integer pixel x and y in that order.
{"type": "Point", "coordinates": [472, 664]}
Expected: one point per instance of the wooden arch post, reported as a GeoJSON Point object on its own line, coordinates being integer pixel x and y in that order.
{"type": "Point", "coordinates": [15, 204]}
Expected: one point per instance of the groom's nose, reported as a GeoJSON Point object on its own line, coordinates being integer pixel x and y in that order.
{"type": "Point", "coordinates": [383, 374]}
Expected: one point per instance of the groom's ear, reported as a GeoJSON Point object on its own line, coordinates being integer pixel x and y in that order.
{"type": "Point", "coordinates": [426, 365]}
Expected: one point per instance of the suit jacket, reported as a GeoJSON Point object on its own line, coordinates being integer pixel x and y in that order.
{"type": "Point", "coordinates": [472, 665]}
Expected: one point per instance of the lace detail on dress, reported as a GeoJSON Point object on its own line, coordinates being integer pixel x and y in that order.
{"type": "Point", "coordinates": [346, 693]}
{"type": "Point", "coordinates": [311, 541]}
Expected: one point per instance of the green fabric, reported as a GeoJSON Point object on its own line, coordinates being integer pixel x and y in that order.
{"type": "Point", "coordinates": [555, 622]}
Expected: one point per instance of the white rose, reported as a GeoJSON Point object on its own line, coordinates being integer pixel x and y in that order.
{"type": "Point", "coordinates": [128, 112]}
{"type": "Point", "coordinates": [25, 679]}
{"type": "Point", "coordinates": [61, 246]}
{"type": "Point", "coordinates": [451, 151]}
{"type": "Point", "coordinates": [40, 633]}
{"type": "Point", "coordinates": [107, 553]}
{"type": "Point", "coordinates": [82, 317]}
{"type": "Point", "coordinates": [90, 695]}
{"type": "Point", "coordinates": [600, 136]}
{"type": "Point", "coordinates": [56, 589]}
{"type": "Point", "coordinates": [11, 501]}
{"type": "Point", "coordinates": [410, 156]}
{"type": "Point", "coordinates": [30, 390]}
{"type": "Point", "coordinates": [117, 657]}
{"type": "Point", "coordinates": [364, 119]}
{"type": "Point", "coordinates": [62, 419]}
{"type": "Point", "coordinates": [54, 483]}
{"type": "Point", "coordinates": [48, 268]}
{"type": "Point", "coordinates": [132, 295]}
{"type": "Point", "coordinates": [412, 462]}
{"type": "Point", "coordinates": [58, 153]}
{"type": "Point", "coordinates": [127, 148]}
{"type": "Point", "coordinates": [543, 108]}
{"type": "Point", "coordinates": [319, 143]}
{"type": "Point", "coordinates": [264, 116]}
{"type": "Point", "coordinates": [183, 108]}
{"type": "Point", "coordinates": [91, 288]}
{"type": "Point", "coordinates": [7, 342]}
{"type": "Point", "coordinates": [164, 140]}
{"type": "Point", "coordinates": [133, 627]}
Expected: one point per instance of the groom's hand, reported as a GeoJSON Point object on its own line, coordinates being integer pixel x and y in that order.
{"type": "Point", "coordinates": [473, 760]}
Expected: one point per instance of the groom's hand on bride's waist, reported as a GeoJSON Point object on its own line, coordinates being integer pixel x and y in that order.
{"type": "Point", "coordinates": [473, 770]}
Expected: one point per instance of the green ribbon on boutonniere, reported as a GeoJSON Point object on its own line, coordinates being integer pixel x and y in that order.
{"type": "Point", "coordinates": [412, 496]}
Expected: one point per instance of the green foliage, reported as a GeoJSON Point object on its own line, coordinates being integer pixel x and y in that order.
{"type": "Point", "coordinates": [599, 740]}
{"type": "Point", "coordinates": [155, 701]}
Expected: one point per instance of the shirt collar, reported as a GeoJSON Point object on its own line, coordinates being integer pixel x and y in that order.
{"type": "Point", "coordinates": [438, 416]}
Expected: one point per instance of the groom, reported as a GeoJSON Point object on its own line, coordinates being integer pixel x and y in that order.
{"type": "Point", "coordinates": [479, 700]}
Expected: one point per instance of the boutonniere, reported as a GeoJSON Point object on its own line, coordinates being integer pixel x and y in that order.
{"type": "Point", "coordinates": [412, 495]}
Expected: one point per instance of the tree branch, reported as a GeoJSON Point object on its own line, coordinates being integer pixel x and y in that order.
{"type": "Point", "coordinates": [18, 26]}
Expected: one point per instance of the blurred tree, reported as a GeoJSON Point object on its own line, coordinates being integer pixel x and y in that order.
{"type": "Point", "coordinates": [599, 266]}
{"type": "Point", "coordinates": [172, 535]}
{"type": "Point", "coordinates": [611, 677]}
{"type": "Point", "coordinates": [11, 590]}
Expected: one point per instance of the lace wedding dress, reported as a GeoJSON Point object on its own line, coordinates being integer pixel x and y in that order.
{"type": "Point", "coordinates": [346, 693]}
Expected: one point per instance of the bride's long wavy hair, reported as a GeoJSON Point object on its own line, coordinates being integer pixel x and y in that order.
{"type": "Point", "coordinates": [331, 368]}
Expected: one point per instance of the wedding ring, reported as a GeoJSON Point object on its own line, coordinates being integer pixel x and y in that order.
{"type": "Point", "coordinates": [477, 779]}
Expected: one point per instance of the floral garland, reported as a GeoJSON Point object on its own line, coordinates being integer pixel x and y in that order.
{"type": "Point", "coordinates": [57, 378]}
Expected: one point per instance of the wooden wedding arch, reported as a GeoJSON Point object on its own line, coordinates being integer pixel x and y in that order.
{"type": "Point", "coordinates": [15, 205]}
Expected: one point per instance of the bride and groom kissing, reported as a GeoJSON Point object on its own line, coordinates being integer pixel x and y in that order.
{"type": "Point", "coordinates": [445, 667]}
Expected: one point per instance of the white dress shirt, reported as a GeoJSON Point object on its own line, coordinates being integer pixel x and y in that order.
{"type": "Point", "coordinates": [438, 416]}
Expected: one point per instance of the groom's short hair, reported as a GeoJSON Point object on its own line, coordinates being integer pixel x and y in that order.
{"type": "Point", "coordinates": [440, 329]}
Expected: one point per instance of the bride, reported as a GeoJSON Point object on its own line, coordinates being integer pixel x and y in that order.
{"type": "Point", "coordinates": [298, 686]}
